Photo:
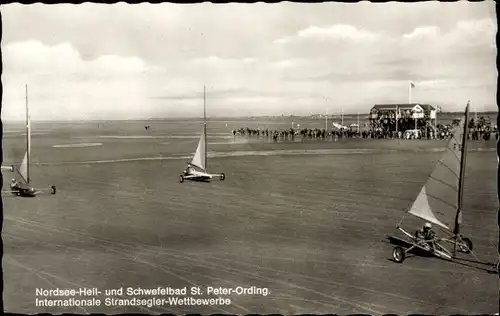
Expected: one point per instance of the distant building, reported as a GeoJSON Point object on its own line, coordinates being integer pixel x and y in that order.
{"type": "Point", "coordinates": [414, 110]}
{"type": "Point", "coordinates": [410, 116]}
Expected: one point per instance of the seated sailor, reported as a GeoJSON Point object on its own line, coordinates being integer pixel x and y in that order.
{"type": "Point", "coordinates": [427, 233]}
{"type": "Point", "coordinates": [189, 170]}
{"type": "Point", "coordinates": [13, 184]}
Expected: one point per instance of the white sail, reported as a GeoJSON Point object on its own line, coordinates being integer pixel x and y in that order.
{"type": "Point", "coordinates": [199, 156]}
{"type": "Point", "coordinates": [438, 201]}
{"type": "Point", "coordinates": [23, 169]}
{"type": "Point", "coordinates": [339, 126]}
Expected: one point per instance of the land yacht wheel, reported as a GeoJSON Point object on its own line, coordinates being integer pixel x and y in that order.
{"type": "Point", "coordinates": [398, 254]}
{"type": "Point", "coordinates": [53, 190]}
{"type": "Point", "coordinates": [469, 245]}
{"type": "Point", "coordinates": [222, 177]}
{"type": "Point", "coordinates": [181, 178]}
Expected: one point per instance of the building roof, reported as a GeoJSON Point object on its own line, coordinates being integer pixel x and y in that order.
{"type": "Point", "coordinates": [403, 106]}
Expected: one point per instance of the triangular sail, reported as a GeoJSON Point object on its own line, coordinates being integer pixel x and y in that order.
{"type": "Point", "coordinates": [24, 170]}
{"type": "Point", "coordinates": [199, 156]}
{"type": "Point", "coordinates": [439, 200]}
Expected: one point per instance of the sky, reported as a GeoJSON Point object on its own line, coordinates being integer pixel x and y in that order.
{"type": "Point", "coordinates": [122, 61]}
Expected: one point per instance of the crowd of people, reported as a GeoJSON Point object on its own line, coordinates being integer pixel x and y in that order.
{"type": "Point", "coordinates": [387, 121]}
{"type": "Point", "coordinates": [385, 128]}
{"type": "Point", "coordinates": [482, 129]}
{"type": "Point", "coordinates": [291, 133]}
{"type": "Point", "coordinates": [385, 125]}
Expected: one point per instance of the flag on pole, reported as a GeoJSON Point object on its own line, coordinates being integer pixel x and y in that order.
{"type": "Point", "coordinates": [411, 85]}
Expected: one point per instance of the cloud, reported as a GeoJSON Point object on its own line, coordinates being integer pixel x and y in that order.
{"type": "Point", "coordinates": [64, 58]}
{"type": "Point", "coordinates": [428, 53]}
{"type": "Point", "coordinates": [465, 33]}
{"type": "Point", "coordinates": [257, 59]}
{"type": "Point", "coordinates": [216, 61]}
{"type": "Point", "coordinates": [475, 33]}
{"type": "Point", "coordinates": [63, 85]}
{"type": "Point", "coordinates": [38, 58]}
{"type": "Point", "coordinates": [341, 31]}
{"type": "Point", "coordinates": [336, 32]}
{"type": "Point", "coordinates": [213, 94]}
{"type": "Point", "coordinates": [289, 63]}
{"type": "Point", "coordinates": [486, 26]}
{"type": "Point", "coordinates": [379, 74]}
{"type": "Point", "coordinates": [430, 32]}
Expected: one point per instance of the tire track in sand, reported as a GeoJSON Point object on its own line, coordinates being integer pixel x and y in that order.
{"type": "Point", "coordinates": [224, 268]}
{"type": "Point", "coordinates": [204, 263]}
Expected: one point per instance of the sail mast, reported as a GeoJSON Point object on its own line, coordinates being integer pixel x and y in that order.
{"type": "Point", "coordinates": [28, 136]}
{"type": "Point", "coordinates": [205, 123]}
{"type": "Point", "coordinates": [326, 120]}
{"type": "Point", "coordinates": [458, 219]}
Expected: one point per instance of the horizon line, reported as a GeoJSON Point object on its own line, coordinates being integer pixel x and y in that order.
{"type": "Point", "coordinates": [212, 117]}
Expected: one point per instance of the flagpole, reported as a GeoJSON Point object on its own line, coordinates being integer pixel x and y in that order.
{"type": "Point", "coordinates": [409, 92]}
{"type": "Point", "coordinates": [397, 118]}
{"type": "Point", "coordinates": [436, 122]}
{"type": "Point", "coordinates": [326, 120]}
{"type": "Point", "coordinates": [358, 123]}
{"type": "Point", "coordinates": [409, 101]}
{"type": "Point", "coordinates": [342, 119]}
